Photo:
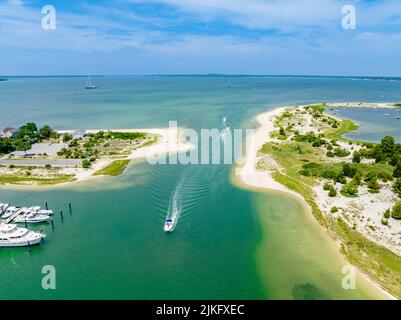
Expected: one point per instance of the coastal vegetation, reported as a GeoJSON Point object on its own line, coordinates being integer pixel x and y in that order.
{"type": "Point", "coordinates": [29, 180]}
{"type": "Point", "coordinates": [72, 154]}
{"type": "Point", "coordinates": [113, 169]}
{"type": "Point", "coordinates": [313, 153]}
{"type": "Point", "coordinates": [25, 137]}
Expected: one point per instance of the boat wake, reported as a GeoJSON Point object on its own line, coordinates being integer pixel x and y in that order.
{"type": "Point", "coordinates": [193, 184]}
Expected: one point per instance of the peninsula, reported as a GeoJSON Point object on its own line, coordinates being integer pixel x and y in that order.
{"type": "Point", "coordinates": [32, 156]}
{"type": "Point", "coordinates": [353, 188]}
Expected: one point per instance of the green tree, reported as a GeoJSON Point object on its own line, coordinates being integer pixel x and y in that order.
{"type": "Point", "coordinates": [6, 146]}
{"type": "Point", "coordinates": [397, 171]}
{"type": "Point", "coordinates": [45, 132]}
{"type": "Point", "coordinates": [397, 186]}
{"type": "Point", "coordinates": [86, 164]}
{"type": "Point", "coordinates": [67, 137]}
{"type": "Point", "coordinates": [396, 212]}
{"type": "Point", "coordinates": [387, 214]}
{"type": "Point", "coordinates": [350, 190]}
{"type": "Point", "coordinates": [23, 145]}
{"type": "Point", "coordinates": [388, 145]}
{"type": "Point", "coordinates": [349, 170]}
{"type": "Point", "coordinates": [332, 192]}
{"type": "Point", "coordinates": [357, 157]}
{"type": "Point", "coordinates": [30, 129]}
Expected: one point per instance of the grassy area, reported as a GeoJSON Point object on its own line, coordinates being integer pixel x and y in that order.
{"type": "Point", "coordinates": [398, 105]}
{"type": "Point", "coordinates": [337, 133]}
{"type": "Point", "coordinates": [381, 264]}
{"type": "Point", "coordinates": [113, 169]}
{"type": "Point", "coordinates": [27, 180]}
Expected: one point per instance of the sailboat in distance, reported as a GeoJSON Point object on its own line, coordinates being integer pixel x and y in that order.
{"type": "Point", "coordinates": [89, 84]}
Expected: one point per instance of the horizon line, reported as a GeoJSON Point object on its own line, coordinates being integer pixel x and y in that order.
{"type": "Point", "coordinates": [197, 75]}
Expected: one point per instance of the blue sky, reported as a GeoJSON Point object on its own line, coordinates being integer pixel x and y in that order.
{"type": "Point", "coordinates": [201, 36]}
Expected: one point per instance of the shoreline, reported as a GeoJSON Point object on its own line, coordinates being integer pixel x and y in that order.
{"type": "Point", "coordinates": [250, 177]}
{"type": "Point", "coordinates": [168, 142]}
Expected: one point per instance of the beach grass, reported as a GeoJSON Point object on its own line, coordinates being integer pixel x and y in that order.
{"type": "Point", "coordinates": [113, 169]}
{"type": "Point", "coordinates": [344, 127]}
{"type": "Point", "coordinates": [380, 263]}
{"type": "Point", "coordinates": [27, 180]}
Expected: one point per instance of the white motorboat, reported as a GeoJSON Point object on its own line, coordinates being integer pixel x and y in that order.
{"type": "Point", "coordinates": [31, 215]}
{"type": "Point", "coordinates": [45, 211]}
{"type": "Point", "coordinates": [10, 211]}
{"type": "Point", "coordinates": [3, 208]}
{"type": "Point", "coordinates": [13, 236]}
{"type": "Point", "coordinates": [171, 222]}
{"type": "Point", "coordinates": [169, 225]}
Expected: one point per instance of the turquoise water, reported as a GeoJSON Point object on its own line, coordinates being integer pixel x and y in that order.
{"type": "Point", "coordinates": [230, 243]}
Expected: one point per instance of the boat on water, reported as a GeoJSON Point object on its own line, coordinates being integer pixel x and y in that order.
{"type": "Point", "coordinates": [89, 84]}
{"type": "Point", "coordinates": [3, 208]}
{"type": "Point", "coordinates": [46, 212]}
{"type": "Point", "coordinates": [31, 215]}
{"type": "Point", "coordinates": [13, 236]}
{"type": "Point", "coordinates": [386, 114]}
{"type": "Point", "coordinates": [169, 224]}
{"type": "Point", "coordinates": [10, 211]}
{"type": "Point", "coordinates": [398, 117]}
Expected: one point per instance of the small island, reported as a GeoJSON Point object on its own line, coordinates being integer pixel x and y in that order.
{"type": "Point", "coordinates": [32, 156]}
{"type": "Point", "coordinates": [352, 187]}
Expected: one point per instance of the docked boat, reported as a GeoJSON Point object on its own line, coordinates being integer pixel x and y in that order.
{"type": "Point", "coordinates": [31, 215]}
{"type": "Point", "coordinates": [13, 236]}
{"type": "Point", "coordinates": [10, 211]}
{"type": "Point", "coordinates": [3, 208]}
{"type": "Point", "coordinates": [45, 211]}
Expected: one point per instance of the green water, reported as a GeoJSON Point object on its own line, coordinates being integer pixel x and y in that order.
{"type": "Point", "coordinates": [230, 243]}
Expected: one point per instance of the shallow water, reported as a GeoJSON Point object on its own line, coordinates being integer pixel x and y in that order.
{"type": "Point", "coordinates": [229, 242]}
{"type": "Point", "coordinates": [374, 123]}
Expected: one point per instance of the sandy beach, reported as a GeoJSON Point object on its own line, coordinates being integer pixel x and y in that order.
{"type": "Point", "coordinates": [249, 175]}
{"type": "Point", "coordinates": [168, 142]}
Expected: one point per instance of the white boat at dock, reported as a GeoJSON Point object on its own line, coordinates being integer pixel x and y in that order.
{"type": "Point", "coordinates": [31, 215]}
{"type": "Point", "coordinates": [46, 212]}
{"type": "Point", "coordinates": [3, 208]}
{"type": "Point", "coordinates": [10, 211]}
{"type": "Point", "coordinates": [13, 236]}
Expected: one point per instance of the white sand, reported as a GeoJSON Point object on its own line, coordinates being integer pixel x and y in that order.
{"type": "Point", "coordinates": [168, 142]}
{"type": "Point", "coordinates": [251, 176]}
{"type": "Point", "coordinates": [248, 173]}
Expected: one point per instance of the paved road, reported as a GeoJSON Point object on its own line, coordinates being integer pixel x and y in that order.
{"type": "Point", "coordinates": [42, 163]}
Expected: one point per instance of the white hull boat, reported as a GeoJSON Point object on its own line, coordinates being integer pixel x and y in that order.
{"type": "Point", "coordinates": [31, 215]}
{"type": "Point", "coordinates": [170, 223]}
{"type": "Point", "coordinates": [13, 236]}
